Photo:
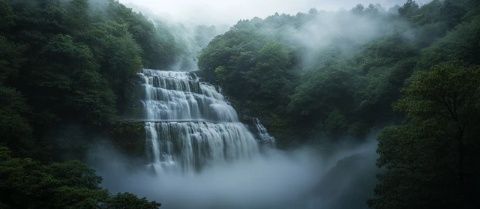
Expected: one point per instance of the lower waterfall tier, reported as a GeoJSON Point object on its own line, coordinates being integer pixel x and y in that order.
{"type": "Point", "coordinates": [189, 146]}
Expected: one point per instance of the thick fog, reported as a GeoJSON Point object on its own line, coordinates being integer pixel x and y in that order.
{"type": "Point", "coordinates": [301, 179]}
{"type": "Point", "coordinates": [218, 12]}
{"type": "Point", "coordinates": [342, 31]}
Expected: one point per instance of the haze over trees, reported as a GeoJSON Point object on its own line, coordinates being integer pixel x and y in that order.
{"type": "Point", "coordinates": [337, 71]}
{"type": "Point", "coordinates": [411, 73]}
{"type": "Point", "coordinates": [339, 83]}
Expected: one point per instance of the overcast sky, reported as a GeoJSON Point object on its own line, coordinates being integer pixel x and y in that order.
{"type": "Point", "coordinates": [230, 11]}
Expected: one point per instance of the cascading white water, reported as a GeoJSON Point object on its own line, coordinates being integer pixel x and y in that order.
{"type": "Point", "coordinates": [263, 134]}
{"type": "Point", "coordinates": [190, 125]}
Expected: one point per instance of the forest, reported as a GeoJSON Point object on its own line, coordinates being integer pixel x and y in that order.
{"type": "Point", "coordinates": [67, 64]}
{"type": "Point", "coordinates": [418, 76]}
{"type": "Point", "coordinates": [409, 74]}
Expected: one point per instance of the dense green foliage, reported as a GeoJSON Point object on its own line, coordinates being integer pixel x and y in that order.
{"type": "Point", "coordinates": [129, 138]}
{"type": "Point", "coordinates": [251, 68]}
{"type": "Point", "coordinates": [26, 183]}
{"type": "Point", "coordinates": [301, 92]}
{"type": "Point", "coordinates": [71, 63]}
{"type": "Point", "coordinates": [430, 158]}
{"type": "Point", "coordinates": [67, 68]}
{"type": "Point", "coordinates": [336, 81]}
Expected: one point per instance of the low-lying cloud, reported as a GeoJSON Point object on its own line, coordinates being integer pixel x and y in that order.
{"type": "Point", "coordinates": [301, 179]}
{"type": "Point", "coordinates": [217, 12]}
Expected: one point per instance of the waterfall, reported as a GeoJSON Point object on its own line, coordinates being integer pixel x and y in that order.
{"type": "Point", "coordinates": [263, 134]}
{"type": "Point", "coordinates": [190, 125]}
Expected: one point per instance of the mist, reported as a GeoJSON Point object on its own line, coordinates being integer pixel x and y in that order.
{"type": "Point", "coordinates": [303, 178]}
{"type": "Point", "coordinates": [221, 12]}
{"type": "Point", "coordinates": [229, 104]}
{"type": "Point", "coordinates": [192, 39]}
{"type": "Point", "coordinates": [195, 23]}
{"type": "Point", "coordinates": [336, 175]}
{"type": "Point", "coordinates": [343, 32]}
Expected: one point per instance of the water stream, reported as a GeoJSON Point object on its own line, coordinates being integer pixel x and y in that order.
{"type": "Point", "coordinates": [190, 125]}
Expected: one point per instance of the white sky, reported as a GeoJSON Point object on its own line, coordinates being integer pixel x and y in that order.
{"type": "Point", "coordinates": [230, 11]}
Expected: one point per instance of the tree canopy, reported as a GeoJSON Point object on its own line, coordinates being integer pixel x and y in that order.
{"type": "Point", "coordinates": [435, 151]}
{"type": "Point", "coordinates": [344, 83]}
{"type": "Point", "coordinates": [64, 64]}
{"type": "Point", "coordinates": [26, 183]}
{"type": "Point", "coordinates": [424, 64]}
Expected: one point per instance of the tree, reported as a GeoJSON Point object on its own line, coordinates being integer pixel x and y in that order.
{"type": "Point", "coordinates": [409, 9]}
{"type": "Point", "coordinates": [72, 86]}
{"type": "Point", "coordinates": [15, 129]}
{"type": "Point", "coordinates": [118, 56]}
{"type": "Point", "coordinates": [26, 183]}
{"type": "Point", "coordinates": [459, 44]}
{"type": "Point", "coordinates": [78, 18]}
{"type": "Point", "coordinates": [64, 64]}
{"type": "Point", "coordinates": [432, 159]}
{"type": "Point", "coordinates": [127, 201]}
{"type": "Point", "coordinates": [6, 19]}
{"type": "Point", "coordinates": [10, 60]}
{"type": "Point", "coordinates": [324, 100]}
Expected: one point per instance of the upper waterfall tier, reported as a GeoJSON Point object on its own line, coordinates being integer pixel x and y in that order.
{"type": "Point", "coordinates": [172, 95]}
{"type": "Point", "coordinates": [190, 125]}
